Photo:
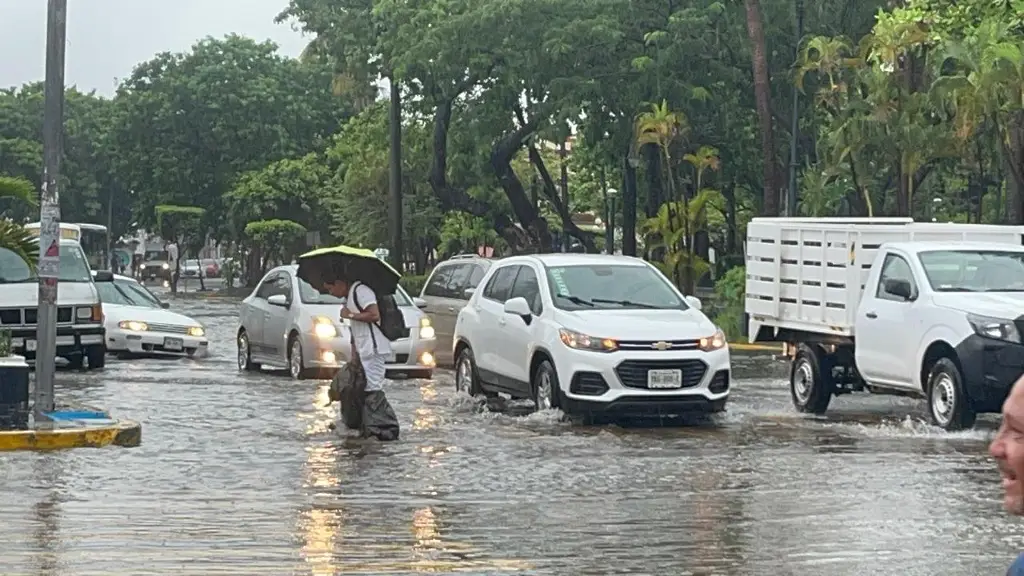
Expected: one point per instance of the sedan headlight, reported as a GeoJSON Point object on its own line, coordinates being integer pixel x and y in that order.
{"type": "Point", "coordinates": [712, 343]}
{"type": "Point", "coordinates": [197, 331]}
{"type": "Point", "coordinates": [133, 326]}
{"type": "Point", "coordinates": [995, 328]}
{"type": "Point", "coordinates": [324, 328]}
{"type": "Point", "coordinates": [579, 341]}
{"type": "Point", "coordinates": [426, 329]}
{"type": "Point", "coordinates": [166, 266]}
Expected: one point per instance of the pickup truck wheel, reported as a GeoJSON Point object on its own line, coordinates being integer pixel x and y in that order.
{"type": "Point", "coordinates": [948, 405]}
{"type": "Point", "coordinates": [810, 380]}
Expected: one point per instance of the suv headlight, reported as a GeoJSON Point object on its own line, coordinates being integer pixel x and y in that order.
{"type": "Point", "coordinates": [578, 341]}
{"type": "Point", "coordinates": [426, 329]}
{"type": "Point", "coordinates": [994, 328]}
{"type": "Point", "coordinates": [324, 328]}
{"type": "Point", "coordinates": [712, 343]}
{"type": "Point", "coordinates": [166, 266]}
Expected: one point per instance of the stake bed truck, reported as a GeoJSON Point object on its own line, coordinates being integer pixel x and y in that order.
{"type": "Point", "coordinates": [891, 306]}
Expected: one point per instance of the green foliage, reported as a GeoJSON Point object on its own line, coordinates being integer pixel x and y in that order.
{"type": "Point", "coordinates": [413, 283]}
{"type": "Point", "coordinates": [730, 295]}
{"type": "Point", "coordinates": [276, 239]}
{"type": "Point", "coordinates": [13, 236]}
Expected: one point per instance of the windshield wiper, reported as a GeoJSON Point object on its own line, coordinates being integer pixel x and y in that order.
{"type": "Point", "coordinates": [626, 303]}
{"type": "Point", "coordinates": [576, 300]}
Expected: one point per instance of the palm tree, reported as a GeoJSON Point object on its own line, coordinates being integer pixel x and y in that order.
{"type": "Point", "coordinates": [13, 236]}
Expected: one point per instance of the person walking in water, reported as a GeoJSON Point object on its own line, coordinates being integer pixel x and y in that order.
{"type": "Point", "coordinates": [1008, 450]}
{"type": "Point", "coordinates": [370, 347]}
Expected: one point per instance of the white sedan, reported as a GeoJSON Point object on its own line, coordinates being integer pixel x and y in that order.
{"type": "Point", "coordinates": [137, 322]}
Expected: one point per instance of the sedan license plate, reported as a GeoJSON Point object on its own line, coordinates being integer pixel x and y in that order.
{"type": "Point", "coordinates": [174, 344]}
{"type": "Point", "coordinates": [664, 379]}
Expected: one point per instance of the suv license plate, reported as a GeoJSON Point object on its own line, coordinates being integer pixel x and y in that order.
{"type": "Point", "coordinates": [664, 379]}
{"type": "Point", "coordinates": [174, 344]}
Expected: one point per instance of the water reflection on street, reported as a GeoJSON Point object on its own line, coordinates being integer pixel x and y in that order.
{"type": "Point", "coordinates": [244, 474]}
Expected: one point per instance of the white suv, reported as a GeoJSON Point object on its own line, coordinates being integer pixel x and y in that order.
{"type": "Point", "coordinates": [593, 335]}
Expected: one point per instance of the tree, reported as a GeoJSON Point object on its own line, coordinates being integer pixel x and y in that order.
{"type": "Point", "coordinates": [183, 225]}
{"type": "Point", "coordinates": [191, 123]}
{"type": "Point", "coordinates": [275, 240]}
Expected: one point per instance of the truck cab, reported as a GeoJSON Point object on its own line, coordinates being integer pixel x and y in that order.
{"type": "Point", "coordinates": [892, 307]}
{"type": "Point", "coordinates": [80, 332]}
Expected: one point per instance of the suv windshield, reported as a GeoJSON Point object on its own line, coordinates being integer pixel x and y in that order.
{"type": "Point", "coordinates": [974, 270]}
{"type": "Point", "coordinates": [73, 266]}
{"type": "Point", "coordinates": [155, 255]}
{"type": "Point", "coordinates": [589, 287]}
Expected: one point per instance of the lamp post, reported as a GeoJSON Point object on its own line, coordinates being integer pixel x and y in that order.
{"type": "Point", "coordinates": [609, 230]}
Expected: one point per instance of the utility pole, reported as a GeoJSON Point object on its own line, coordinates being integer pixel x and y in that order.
{"type": "Point", "coordinates": [395, 177]}
{"type": "Point", "coordinates": [795, 131]}
{"type": "Point", "coordinates": [49, 228]}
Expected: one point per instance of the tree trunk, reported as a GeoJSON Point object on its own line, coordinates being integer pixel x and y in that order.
{"type": "Point", "coordinates": [655, 195]}
{"type": "Point", "coordinates": [762, 96]}
{"type": "Point", "coordinates": [628, 208]}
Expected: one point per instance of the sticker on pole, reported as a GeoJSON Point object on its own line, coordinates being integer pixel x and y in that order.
{"type": "Point", "coordinates": [49, 263]}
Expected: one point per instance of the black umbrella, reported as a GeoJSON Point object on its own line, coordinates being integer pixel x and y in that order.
{"type": "Point", "coordinates": [358, 264]}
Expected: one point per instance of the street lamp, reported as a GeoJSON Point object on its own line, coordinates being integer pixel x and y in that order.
{"type": "Point", "coordinates": [609, 230]}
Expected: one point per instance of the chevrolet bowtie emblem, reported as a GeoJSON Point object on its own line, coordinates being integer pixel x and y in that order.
{"type": "Point", "coordinates": [661, 345]}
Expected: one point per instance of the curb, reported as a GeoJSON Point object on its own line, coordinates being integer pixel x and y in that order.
{"type": "Point", "coordinates": [744, 347]}
{"type": "Point", "coordinates": [126, 433]}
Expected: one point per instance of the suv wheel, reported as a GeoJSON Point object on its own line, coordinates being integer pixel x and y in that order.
{"type": "Point", "coordinates": [466, 378]}
{"type": "Point", "coordinates": [546, 391]}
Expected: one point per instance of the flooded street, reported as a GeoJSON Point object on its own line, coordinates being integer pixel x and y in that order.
{"type": "Point", "coordinates": [242, 474]}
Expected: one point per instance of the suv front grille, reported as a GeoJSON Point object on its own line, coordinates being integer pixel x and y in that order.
{"type": "Point", "coordinates": [633, 373]}
{"type": "Point", "coordinates": [659, 345]}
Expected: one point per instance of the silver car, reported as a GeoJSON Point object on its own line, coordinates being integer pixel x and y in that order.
{"type": "Point", "coordinates": [286, 322]}
{"type": "Point", "coordinates": [446, 292]}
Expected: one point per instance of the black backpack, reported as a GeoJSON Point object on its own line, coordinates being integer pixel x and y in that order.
{"type": "Point", "coordinates": [392, 323]}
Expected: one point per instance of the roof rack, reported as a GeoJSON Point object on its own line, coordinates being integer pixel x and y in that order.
{"type": "Point", "coordinates": [465, 256]}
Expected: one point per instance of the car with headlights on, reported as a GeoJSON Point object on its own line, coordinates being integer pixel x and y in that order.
{"type": "Point", "coordinates": [138, 323]}
{"type": "Point", "coordinates": [594, 335]}
{"type": "Point", "coordinates": [286, 322]}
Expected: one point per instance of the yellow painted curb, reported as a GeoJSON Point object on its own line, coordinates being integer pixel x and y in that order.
{"type": "Point", "coordinates": [756, 347]}
{"type": "Point", "coordinates": [125, 433]}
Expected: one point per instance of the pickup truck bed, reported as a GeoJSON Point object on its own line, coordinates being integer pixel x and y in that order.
{"type": "Point", "coordinates": [807, 274]}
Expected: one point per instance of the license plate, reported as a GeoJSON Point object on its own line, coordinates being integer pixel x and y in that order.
{"type": "Point", "coordinates": [30, 345]}
{"type": "Point", "coordinates": [664, 378]}
{"type": "Point", "coordinates": [174, 344]}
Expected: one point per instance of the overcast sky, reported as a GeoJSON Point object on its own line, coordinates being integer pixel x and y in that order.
{"type": "Point", "coordinates": [107, 38]}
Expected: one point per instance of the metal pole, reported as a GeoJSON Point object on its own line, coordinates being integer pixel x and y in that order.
{"type": "Point", "coordinates": [395, 176]}
{"type": "Point", "coordinates": [795, 131]}
{"type": "Point", "coordinates": [49, 229]}
{"type": "Point", "coordinates": [609, 245]}
{"type": "Point", "coordinates": [563, 153]}
{"type": "Point", "coordinates": [110, 224]}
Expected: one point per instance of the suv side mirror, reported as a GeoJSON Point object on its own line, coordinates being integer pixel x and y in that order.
{"type": "Point", "coordinates": [693, 302]}
{"type": "Point", "coordinates": [519, 307]}
{"type": "Point", "coordinates": [898, 287]}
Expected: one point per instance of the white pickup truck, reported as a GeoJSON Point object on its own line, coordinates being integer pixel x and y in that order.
{"type": "Point", "coordinates": [891, 306]}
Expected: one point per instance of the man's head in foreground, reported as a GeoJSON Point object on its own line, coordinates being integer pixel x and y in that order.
{"type": "Point", "coordinates": [1008, 450]}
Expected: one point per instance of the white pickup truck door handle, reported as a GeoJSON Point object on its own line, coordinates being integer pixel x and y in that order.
{"type": "Point", "coordinates": [872, 315]}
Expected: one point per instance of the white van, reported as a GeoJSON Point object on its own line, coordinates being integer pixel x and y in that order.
{"type": "Point", "coordinates": [80, 332]}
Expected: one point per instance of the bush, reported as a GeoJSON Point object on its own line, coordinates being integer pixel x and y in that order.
{"type": "Point", "coordinates": [730, 302]}
{"type": "Point", "coordinates": [413, 284]}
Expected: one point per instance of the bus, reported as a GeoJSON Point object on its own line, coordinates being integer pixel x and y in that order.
{"type": "Point", "coordinates": [92, 237]}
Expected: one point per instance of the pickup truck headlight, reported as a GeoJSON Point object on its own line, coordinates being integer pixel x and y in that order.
{"type": "Point", "coordinates": [994, 328]}
{"type": "Point", "coordinates": [714, 342]}
{"type": "Point", "coordinates": [196, 331]}
{"type": "Point", "coordinates": [324, 328]}
{"type": "Point", "coordinates": [578, 341]}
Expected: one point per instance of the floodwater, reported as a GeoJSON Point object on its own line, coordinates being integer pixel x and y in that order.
{"type": "Point", "coordinates": [243, 475]}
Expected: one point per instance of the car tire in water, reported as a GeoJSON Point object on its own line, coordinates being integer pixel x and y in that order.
{"type": "Point", "coordinates": [96, 356]}
{"type": "Point", "coordinates": [466, 377]}
{"type": "Point", "coordinates": [245, 354]}
{"type": "Point", "coordinates": [810, 380]}
{"type": "Point", "coordinates": [546, 391]}
{"type": "Point", "coordinates": [948, 406]}
{"type": "Point", "coordinates": [296, 367]}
